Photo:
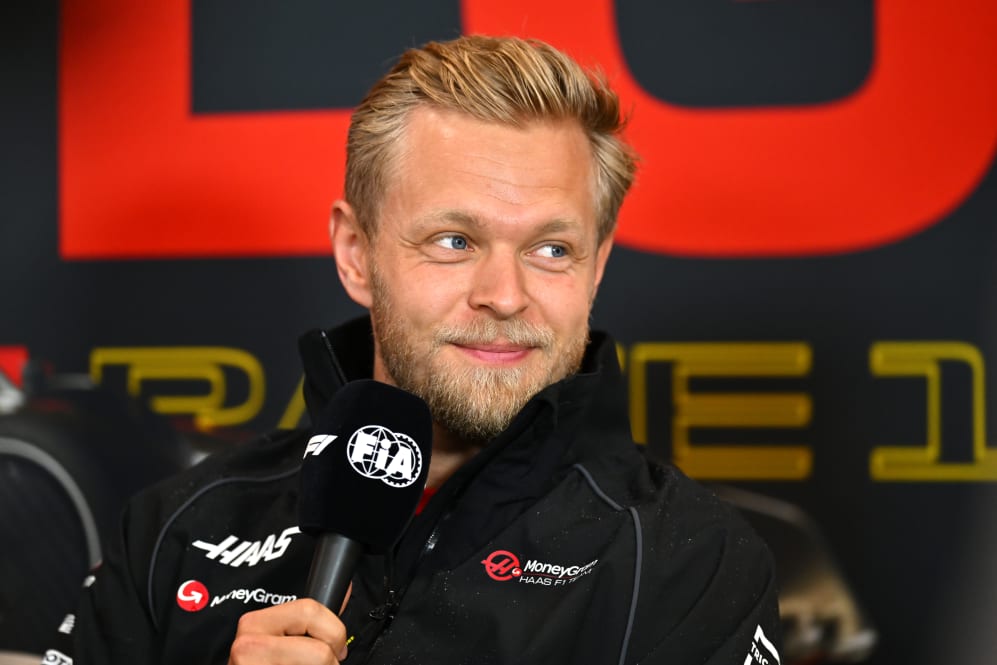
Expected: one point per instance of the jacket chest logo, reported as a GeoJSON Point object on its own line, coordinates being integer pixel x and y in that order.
{"type": "Point", "coordinates": [234, 551]}
{"type": "Point", "coordinates": [503, 566]}
{"type": "Point", "coordinates": [193, 596]}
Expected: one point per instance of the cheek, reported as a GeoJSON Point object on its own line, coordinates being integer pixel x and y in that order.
{"type": "Point", "coordinates": [566, 309]}
{"type": "Point", "coordinates": [430, 297]}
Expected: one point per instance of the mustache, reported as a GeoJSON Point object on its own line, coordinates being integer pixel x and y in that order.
{"type": "Point", "coordinates": [489, 331]}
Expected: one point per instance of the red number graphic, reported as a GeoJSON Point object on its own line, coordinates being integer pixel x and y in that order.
{"type": "Point", "coordinates": [140, 176]}
{"type": "Point", "coordinates": [854, 174]}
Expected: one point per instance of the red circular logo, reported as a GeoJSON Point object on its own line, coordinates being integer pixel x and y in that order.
{"type": "Point", "coordinates": [502, 566]}
{"type": "Point", "coordinates": [192, 596]}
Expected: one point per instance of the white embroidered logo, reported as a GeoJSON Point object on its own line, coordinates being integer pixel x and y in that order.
{"type": "Point", "coordinates": [762, 651]}
{"type": "Point", "coordinates": [234, 551]}
{"type": "Point", "coordinates": [391, 457]}
{"type": "Point", "coordinates": [318, 443]}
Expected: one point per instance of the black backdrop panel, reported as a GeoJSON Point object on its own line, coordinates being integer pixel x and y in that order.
{"type": "Point", "coordinates": [913, 549]}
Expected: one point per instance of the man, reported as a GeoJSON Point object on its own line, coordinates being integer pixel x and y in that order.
{"type": "Point", "coordinates": [483, 182]}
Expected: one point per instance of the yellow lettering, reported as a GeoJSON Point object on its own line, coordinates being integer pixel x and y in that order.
{"type": "Point", "coordinates": [295, 408]}
{"type": "Point", "coordinates": [921, 462]}
{"type": "Point", "coordinates": [770, 359]}
{"type": "Point", "coordinates": [198, 363]}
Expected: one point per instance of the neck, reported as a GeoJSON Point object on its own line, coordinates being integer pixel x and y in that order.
{"type": "Point", "coordinates": [449, 454]}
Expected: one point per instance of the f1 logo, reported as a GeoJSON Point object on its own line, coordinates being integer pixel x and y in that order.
{"type": "Point", "coordinates": [318, 443]}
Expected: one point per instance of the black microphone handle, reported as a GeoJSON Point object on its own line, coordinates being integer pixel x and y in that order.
{"type": "Point", "coordinates": [332, 569]}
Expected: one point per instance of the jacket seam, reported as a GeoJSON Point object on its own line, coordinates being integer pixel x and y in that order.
{"type": "Point", "coordinates": [176, 514]}
{"type": "Point", "coordinates": [638, 558]}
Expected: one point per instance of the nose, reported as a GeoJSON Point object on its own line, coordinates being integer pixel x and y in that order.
{"type": "Point", "coordinates": [499, 285]}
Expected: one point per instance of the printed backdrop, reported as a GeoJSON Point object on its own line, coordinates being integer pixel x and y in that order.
{"type": "Point", "coordinates": [803, 286]}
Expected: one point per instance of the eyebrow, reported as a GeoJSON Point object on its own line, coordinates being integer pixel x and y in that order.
{"type": "Point", "coordinates": [560, 226]}
{"type": "Point", "coordinates": [452, 216]}
{"type": "Point", "coordinates": [466, 219]}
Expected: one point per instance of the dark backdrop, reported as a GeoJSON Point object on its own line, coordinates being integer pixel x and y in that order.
{"type": "Point", "coordinates": [816, 174]}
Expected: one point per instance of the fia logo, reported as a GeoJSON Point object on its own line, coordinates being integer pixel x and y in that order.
{"type": "Point", "coordinates": [377, 452]}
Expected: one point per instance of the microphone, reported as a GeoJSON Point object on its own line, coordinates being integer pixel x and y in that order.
{"type": "Point", "coordinates": [363, 473]}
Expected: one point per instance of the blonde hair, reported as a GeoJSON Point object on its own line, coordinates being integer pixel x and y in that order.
{"type": "Point", "coordinates": [506, 80]}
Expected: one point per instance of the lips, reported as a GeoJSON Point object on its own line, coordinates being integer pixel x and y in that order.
{"type": "Point", "coordinates": [505, 343]}
{"type": "Point", "coordinates": [496, 354]}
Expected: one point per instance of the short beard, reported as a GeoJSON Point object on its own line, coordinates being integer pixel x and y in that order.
{"type": "Point", "coordinates": [472, 402]}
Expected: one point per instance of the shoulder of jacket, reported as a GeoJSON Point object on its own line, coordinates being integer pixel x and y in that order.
{"type": "Point", "coordinates": [668, 503]}
{"type": "Point", "coordinates": [273, 458]}
{"type": "Point", "coordinates": [684, 514]}
{"type": "Point", "coordinates": [716, 571]}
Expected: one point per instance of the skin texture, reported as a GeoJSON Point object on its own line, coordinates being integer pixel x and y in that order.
{"type": "Point", "coordinates": [483, 268]}
{"type": "Point", "coordinates": [302, 632]}
{"type": "Point", "coordinates": [480, 278]}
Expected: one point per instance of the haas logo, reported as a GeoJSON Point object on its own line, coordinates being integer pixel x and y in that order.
{"type": "Point", "coordinates": [377, 452]}
{"type": "Point", "coordinates": [502, 566]}
{"type": "Point", "coordinates": [192, 596]}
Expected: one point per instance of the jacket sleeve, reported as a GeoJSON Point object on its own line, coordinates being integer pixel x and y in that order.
{"type": "Point", "coordinates": [112, 623]}
{"type": "Point", "coordinates": [712, 601]}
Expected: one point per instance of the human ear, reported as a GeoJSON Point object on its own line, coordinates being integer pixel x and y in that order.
{"type": "Point", "coordinates": [351, 247]}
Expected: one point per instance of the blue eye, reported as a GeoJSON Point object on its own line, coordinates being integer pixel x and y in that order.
{"type": "Point", "coordinates": [553, 251]}
{"type": "Point", "coordinates": [453, 242]}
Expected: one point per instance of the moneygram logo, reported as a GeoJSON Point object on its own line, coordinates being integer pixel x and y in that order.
{"type": "Point", "coordinates": [260, 596]}
{"type": "Point", "coordinates": [377, 452]}
{"type": "Point", "coordinates": [192, 596]}
{"type": "Point", "coordinates": [502, 566]}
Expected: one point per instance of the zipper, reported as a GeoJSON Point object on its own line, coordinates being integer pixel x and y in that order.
{"type": "Point", "coordinates": [384, 613]}
{"type": "Point", "coordinates": [434, 537]}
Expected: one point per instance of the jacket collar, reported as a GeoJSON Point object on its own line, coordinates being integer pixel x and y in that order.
{"type": "Point", "coordinates": [595, 395]}
{"type": "Point", "coordinates": [582, 418]}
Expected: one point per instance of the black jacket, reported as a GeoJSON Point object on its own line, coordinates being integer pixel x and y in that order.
{"type": "Point", "coordinates": [558, 543]}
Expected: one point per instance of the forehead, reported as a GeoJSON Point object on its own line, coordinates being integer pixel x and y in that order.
{"type": "Point", "coordinates": [451, 160]}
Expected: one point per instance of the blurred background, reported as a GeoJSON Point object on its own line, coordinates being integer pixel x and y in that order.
{"type": "Point", "coordinates": [803, 288]}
